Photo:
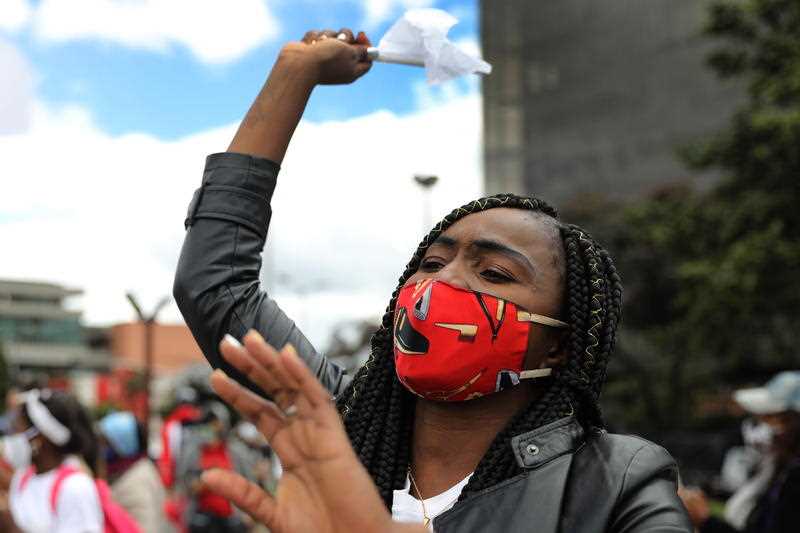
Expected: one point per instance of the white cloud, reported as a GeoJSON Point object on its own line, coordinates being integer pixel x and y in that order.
{"type": "Point", "coordinates": [214, 31]}
{"type": "Point", "coordinates": [105, 213]}
{"type": "Point", "coordinates": [376, 12]}
{"type": "Point", "coordinates": [16, 88]}
{"type": "Point", "coordinates": [14, 14]}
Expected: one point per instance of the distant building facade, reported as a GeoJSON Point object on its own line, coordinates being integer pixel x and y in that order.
{"type": "Point", "coordinates": [38, 332]}
{"type": "Point", "coordinates": [591, 96]}
{"type": "Point", "coordinates": [174, 348]}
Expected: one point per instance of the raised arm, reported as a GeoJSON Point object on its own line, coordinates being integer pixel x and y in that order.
{"type": "Point", "coordinates": [216, 284]}
{"type": "Point", "coordinates": [321, 58]}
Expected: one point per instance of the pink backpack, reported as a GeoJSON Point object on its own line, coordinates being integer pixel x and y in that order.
{"type": "Point", "coordinates": [117, 519]}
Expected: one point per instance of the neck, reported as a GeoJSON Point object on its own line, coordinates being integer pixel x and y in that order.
{"type": "Point", "coordinates": [45, 462]}
{"type": "Point", "coordinates": [450, 438]}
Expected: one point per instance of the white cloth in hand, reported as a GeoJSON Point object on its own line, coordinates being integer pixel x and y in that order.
{"type": "Point", "coordinates": [421, 34]}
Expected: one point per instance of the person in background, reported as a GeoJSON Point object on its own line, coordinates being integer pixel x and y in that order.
{"type": "Point", "coordinates": [56, 493]}
{"type": "Point", "coordinates": [768, 501]}
{"type": "Point", "coordinates": [134, 479]}
{"type": "Point", "coordinates": [184, 412]}
{"type": "Point", "coordinates": [205, 446]}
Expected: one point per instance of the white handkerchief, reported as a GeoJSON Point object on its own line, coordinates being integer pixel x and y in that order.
{"type": "Point", "coordinates": [421, 35]}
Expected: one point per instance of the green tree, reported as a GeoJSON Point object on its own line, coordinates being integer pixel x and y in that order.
{"type": "Point", "coordinates": [712, 284]}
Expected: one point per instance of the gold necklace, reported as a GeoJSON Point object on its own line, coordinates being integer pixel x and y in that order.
{"type": "Point", "coordinates": [425, 518]}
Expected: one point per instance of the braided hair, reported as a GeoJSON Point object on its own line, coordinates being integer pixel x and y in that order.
{"type": "Point", "coordinates": [378, 411]}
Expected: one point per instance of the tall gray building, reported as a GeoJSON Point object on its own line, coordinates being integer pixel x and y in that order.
{"type": "Point", "coordinates": [595, 95]}
{"type": "Point", "coordinates": [38, 332]}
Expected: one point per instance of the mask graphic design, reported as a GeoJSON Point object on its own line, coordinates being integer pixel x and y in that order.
{"type": "Point", "coordinates": [453, 344]}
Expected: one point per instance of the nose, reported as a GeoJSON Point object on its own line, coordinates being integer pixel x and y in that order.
{"type": "Point", "coordinates": [454, 274]}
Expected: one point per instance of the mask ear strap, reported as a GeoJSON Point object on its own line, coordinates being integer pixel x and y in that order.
{"type": "Point", "coordinates": [524, 316]}
{"type": "Point", "coordinates": [533, 374]}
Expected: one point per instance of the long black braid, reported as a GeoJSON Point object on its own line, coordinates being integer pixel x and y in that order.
{"type": "Point", "coordinates": [378, 411]}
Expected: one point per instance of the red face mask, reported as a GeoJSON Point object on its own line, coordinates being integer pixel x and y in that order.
{"type": "Point", "coordinates": [453, 344]}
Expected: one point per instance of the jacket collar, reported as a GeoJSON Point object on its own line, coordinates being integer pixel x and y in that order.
{"type": "Point", "coordinates": [546, 456]}
{"type": "Point", "coordinates": [543, 444]}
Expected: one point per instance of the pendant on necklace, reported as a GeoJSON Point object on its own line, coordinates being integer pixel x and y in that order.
{"type": "Point", "coordinates": [426, 521]}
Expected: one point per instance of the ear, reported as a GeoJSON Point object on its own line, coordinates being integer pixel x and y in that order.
{"type": "Point", "coordinates": [557, 352]}
{"type": "Point", "coordinates": [548, 350]}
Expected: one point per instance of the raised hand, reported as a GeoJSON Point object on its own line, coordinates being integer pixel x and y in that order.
{"type": "Point", "coordinates": [337, 57]}
{"type": "Point", "coordinates": [324, 488]}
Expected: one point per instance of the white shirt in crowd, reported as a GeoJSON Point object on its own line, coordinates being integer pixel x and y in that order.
{"type": "Point", "coordinates": [77, 508]}
{"type": "Point", "coordinates": [406, 508]}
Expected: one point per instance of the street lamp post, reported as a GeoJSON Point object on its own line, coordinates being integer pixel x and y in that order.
{"type": "Point", "coordinates": [148, 321]}
{"type": "Point", "coordinates": [426, 182]}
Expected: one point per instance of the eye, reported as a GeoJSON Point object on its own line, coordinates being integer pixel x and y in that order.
{"type": "Point", "coordinates": [496, 276]}
{"type": "Point", "coordinates": [431, 265]}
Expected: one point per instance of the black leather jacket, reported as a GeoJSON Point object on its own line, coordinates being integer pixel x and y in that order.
{"type": "Point", "coordinates": [572, 482]}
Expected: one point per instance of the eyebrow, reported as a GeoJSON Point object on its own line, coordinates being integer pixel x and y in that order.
{"type": "Point", "coordinates": [491, 246]}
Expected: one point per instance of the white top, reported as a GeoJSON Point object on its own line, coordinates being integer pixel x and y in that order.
{"type": "Point", "coordinates": [406, 508]}
{"type": "Point", "coordinates": [77, 508]}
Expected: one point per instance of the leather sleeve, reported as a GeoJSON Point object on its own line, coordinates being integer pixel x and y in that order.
{"type": "Point", "coordinates": [217, 285]}
{"type": "Point", "coordinates": [648, 500]}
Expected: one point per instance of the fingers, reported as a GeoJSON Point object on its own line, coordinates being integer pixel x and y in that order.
{"type": "Point", "coordinates": [276, 381]}
{"type": "Point", "coordinates": [259, 362]}
{"type": "Point", "coordinates": [282, 375]}
{"type": "Point", "coordinates": [310, 36]}
{"type": "Point", "coordinates": [307, 385]}
{"type": "Point", "coordinates": [264, 414]}
{"type": "Point", "coordinates": [362, 68]}
{"type": "Point", "coordinates": [245, 495]}
{"type": "Point", "coordinates": [363, 39]}
{"type": "Point", "coordinates": [362, 54]}
{"type": "Point", "coordinates": [327, 34]}
{"type": "Point", "coordinates": [346, 35]}
{"type": "Point", "coordinates": [257, 370]}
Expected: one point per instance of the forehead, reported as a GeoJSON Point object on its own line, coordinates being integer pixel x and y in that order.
{"type": "Point", "coordinates": [518, 228]}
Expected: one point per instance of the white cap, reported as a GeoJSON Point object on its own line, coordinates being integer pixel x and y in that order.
{"type": "Point", "coordinates": [781, 393]}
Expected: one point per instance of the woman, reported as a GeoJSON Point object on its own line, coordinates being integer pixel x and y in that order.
{"type": "Point", "coordinates": [57, 493]}
{"type": "Point", "coordinates": [483, 418]}
{"type": "Point", "coordinates": [134, 479]}
{"type": "Point", "coordinates": [206, 445]}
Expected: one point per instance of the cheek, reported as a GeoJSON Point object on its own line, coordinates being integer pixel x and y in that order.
{"type": "Point", "coordinates": [416, 276]}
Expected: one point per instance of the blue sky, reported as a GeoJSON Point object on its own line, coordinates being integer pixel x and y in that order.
{"type": "Point", "coordinates": [172, 93]}
{"type": "Point", "coordinates": [110, 107]}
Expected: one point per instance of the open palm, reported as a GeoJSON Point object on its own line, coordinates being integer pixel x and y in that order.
{"type": "Point", "coordinates": [324, 488]}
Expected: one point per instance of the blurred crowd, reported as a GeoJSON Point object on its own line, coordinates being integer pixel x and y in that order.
{"type": "Point", "coordinates": [65, 471]}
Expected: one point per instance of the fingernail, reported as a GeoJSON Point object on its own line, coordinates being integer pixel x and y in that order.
{"type": "Point", "coordinates": [342, 36]}
{"type": "Point", "coordinates": [289, 349]}
{"type": "Point", "coordinates": [230, 339]}
{"type": "Point", "coordinates": [253, 333]}
{"type": "Point", "coordinates": [323, 37]}
{"type": "Point", "coordinates": [219, 373]}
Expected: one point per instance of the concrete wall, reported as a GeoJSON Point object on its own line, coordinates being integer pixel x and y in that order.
{"type": "Point", "coordinates": [595, 95]}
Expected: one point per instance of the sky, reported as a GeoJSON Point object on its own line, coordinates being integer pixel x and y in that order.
{"type": "Point", "coordinates": [109, 107]}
